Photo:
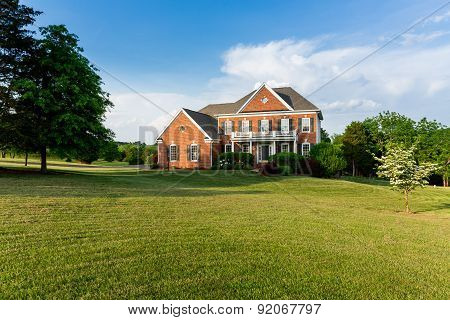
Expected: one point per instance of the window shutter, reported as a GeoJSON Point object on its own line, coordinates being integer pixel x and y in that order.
{"type": "Point", "coordinates": [232, 126]}
{"type": "Point", "coordinates": [223, 127]}
{"type": "Point", "coordinates": [198, 152]}
{"type": "Point", "coordinates": [279, 125]}
{"type": "Point", "coordinates": [270, 125]}
{"type": "Point", "coordinates": [168, 154]}
{"type": "Point", "coordinates": [290, 124]}
{"type": "Point", "coordinates": [311, 124]}
{"type": "Point", "coordinates": [178, 152]}
{"type": "Point", "coordinates": [299, 124]}
{"type": "Point", "coordinates": [250, 125]}
{"type": "Point", "coordinates": [188, 152]}
{"type": "Point", "coordinates": [240, 125]}
{"type": "Point", "coordinates": [259, 125]}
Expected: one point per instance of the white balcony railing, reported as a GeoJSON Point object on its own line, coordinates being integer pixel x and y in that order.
{"type": "Point", "coordinates": [264, 134]}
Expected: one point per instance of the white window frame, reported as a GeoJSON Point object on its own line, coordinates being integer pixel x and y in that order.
{"type": "Point", "coordinates": [265, 121]}
{"type": "Point", "coordinates": [191, 154]}
{"type": "Point", "coordinates": [246, 145]}
{"type": "Point", "coordinates": [171, 153]}
{"type": "Point", "coordinates": [283, 145]}
{"type": "Point", "coordinates": [228, 145]}
{"type": "Point", "coordinates": [309, 148]}
{"type": "Point", "coordinates": [245, 126]}
{"type": "Point", "coordinates": [228, 127]}
{"type": "Point", "coordinates": [284, 125]}
{"type": "Point", "coordinates": [304, 125]}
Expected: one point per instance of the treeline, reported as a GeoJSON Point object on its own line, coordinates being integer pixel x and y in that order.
{"type": "Point", "coordinates": [353, 152]}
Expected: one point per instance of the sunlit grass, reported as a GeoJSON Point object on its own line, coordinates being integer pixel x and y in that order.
{"type": "Point", "coordinates": [146, 235]}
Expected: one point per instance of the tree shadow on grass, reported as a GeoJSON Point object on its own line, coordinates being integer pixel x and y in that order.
{"type": "Point", "coordinates": [162, 184]}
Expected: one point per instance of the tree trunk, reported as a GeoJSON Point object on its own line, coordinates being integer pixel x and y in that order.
{"type": "Point", "coordinates": [444, 181]}
{"type": "Point", "coordinates": [26, 159]}
{"type": "Point", "coordinates": [407, 202]}
{"type": "Point", "coordinates": [43, 160]}
{"type": "Point", "coordinates": [353, 167]}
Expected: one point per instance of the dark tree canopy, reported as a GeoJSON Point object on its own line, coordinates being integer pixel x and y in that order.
{"type": "Point", "coordinates": [62, 99]}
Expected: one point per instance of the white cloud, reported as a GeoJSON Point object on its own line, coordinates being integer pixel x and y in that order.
{"type": "Point", "coordinates": [440, 18]}
{"type": "Point", "coordinates": [414, 38]}
{"type": "Point", "coordinates": [413, 80]}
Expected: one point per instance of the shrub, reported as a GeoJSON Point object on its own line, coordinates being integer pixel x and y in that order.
{"type": "Point", "coordinates": [329, 157]}
{"type": "Point", "coordinates": [110, 152]}
{"type": "Point", "coordinates": [287, 159]}
{"type": "Point", "coordinates": [234, 160]}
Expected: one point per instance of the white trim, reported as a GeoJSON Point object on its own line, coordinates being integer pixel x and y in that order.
{"type": "Point", "coordinates": [264, 85]}
{"type": "Point", "coordinates": [170, 152]}
{"type": "Point", "coordinates": [247, 145]}
{"type": "Point", "coordinates": [264, 113]}
{"type": "Point", "coordinates": [190, 152]}
{"type": "Point", "coordinates": [318, 129]}
{"type": "Point", "coordinates": [309, 125]}
{"type": "Point", "coordinates": [284, 144]}
{"type": "Point", "coordinates": [309, 147]}
{"type": "Point", "coordinates": [189, 117]}
{"type": "Point", "coordinates": [228, 144]}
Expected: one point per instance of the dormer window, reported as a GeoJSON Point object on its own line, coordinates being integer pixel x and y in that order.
{"type": "Point", "coordinates": [264, 100]}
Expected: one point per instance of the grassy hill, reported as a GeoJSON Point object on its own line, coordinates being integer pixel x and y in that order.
{"type": "Point", "coordinates": [122, 233]}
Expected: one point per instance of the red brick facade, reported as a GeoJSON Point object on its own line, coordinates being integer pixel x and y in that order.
{"type": "Point", "coordinates": [188, 128]}
{"type": "Point", "coordinates": [182, 132]}
{"type": "Point", "coordinates": [257, 104]}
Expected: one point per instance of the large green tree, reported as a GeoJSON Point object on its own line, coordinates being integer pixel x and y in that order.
{"type": "Point", "coordinates": [16, 45]}
{"type": "Point", "coordinates": [358, 148]}
{"type": "Point", "coordinates": [61, 99]}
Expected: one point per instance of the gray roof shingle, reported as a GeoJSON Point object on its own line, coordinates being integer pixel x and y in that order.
{"type": "Point", "coordinates": [205, 121]}
{"type": "Point", "coordinates": [292, 98]}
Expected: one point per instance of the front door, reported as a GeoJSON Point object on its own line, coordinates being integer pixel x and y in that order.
{"type": "Point", "coordinates": [264, 152]}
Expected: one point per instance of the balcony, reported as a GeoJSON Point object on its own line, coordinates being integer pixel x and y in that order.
{"type": "Point", "coordinates": [263, 135]}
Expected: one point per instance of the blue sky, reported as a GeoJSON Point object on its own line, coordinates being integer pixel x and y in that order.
{"type": "Point", "coordinates": [191, 53]}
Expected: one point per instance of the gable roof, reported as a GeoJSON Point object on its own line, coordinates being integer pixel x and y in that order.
{"type": "Point", "coordinates": [205, 123]}
{"type": "Point", "coordinates": [271, 91]}
{"type": "Point", "coordinates": [288, 94]}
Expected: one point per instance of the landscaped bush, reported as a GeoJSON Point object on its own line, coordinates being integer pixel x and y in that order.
{"type": "Point", "coordinates": [234, 160]}
{"type": "Point", "coordinates": [330, 159]}
{"type": "Point", "coordinates": [287, 159]}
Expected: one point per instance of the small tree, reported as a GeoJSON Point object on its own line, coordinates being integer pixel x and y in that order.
{"type": "Point", "coordinates": [402, 170]}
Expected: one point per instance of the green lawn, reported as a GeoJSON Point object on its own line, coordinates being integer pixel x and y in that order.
{"type": "Point", "coordinates": [104, 233]}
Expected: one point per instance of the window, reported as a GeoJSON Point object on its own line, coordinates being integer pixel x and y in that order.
{"type": "Point", "coordinates": [173, 152]}
{"type": "Point", "coordinates": [245, 126]}
{"type": "Point", "coordinates": [264, 100]}
{"type": "Point", "coordinates": [284, 125]}
{"type": "Point", "coordinates": [246, 148]}
{"type": "Point", "coordinates": [228, 127]}
{"type": "Point", "coordinates": [305, 149]}
{"type": "Point", "coordinates": [305, 125]}
{"type": "Point", "coordinates": [265, 126]}
{"type": "Point", "coordinates": [228, 148]}
{"type": "Point", "coordinates": [285, 147]}
{"type": "Point", "coordinates": [193, 152]}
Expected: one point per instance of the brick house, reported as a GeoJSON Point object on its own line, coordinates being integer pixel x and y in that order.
{"type": "Point", "coordinates": [264, 122]}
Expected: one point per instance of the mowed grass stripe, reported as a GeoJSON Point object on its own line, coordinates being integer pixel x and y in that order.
{"type": "Point", "coordinates": [218, 236]}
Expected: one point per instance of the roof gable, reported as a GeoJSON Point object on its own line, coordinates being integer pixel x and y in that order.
{"type": "Point", "coordinates": [264, 99]}
{"type": "Point", "coordinates": [205, 123]}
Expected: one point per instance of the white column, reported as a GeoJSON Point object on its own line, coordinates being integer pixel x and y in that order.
{"type": "Point", "coordinates": [250, 147]}
{"type": "Point", "coordinates": [274, 149]}
{"type": "Point", "coordinates": [232, 146]}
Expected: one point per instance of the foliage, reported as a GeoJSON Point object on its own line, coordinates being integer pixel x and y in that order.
{"type": "Point", "coordinates": [402, 170]}
{"type": "Point", "coordinates": [289, 159]}
{"type": "Point", "coordinates": [110, 152]}
{"type": "Point", "coordinates": [324, 136]}
{"type": "Point", "coordinates": [235, 160]}
{"type": "Point", "coordinates": [330, 158]}
{"type": "Point", "coordinates": [358, 148]}
{"type": "Point", "coordinates": [134, 153]}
